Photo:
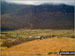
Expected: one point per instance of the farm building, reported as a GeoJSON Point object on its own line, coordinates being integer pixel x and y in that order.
{"type": "Point", "coordinates": [67, 53]}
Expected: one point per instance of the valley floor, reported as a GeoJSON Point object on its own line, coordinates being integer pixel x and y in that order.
{"type": "Point", "coordinates": [50, 46]}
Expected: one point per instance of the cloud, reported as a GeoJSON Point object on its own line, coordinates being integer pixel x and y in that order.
{"type": "Point", "coordinates": [37, 2]}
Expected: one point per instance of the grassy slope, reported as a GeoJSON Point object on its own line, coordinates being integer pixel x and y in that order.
{"type": "Point", "coordinates": [41, 46]}
{"type": "Point", "coordinates": [38, 32]}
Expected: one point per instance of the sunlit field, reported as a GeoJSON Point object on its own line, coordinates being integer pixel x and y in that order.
{"type": "Point", "coordinates": [38, 32]}
{"type": "Point", "coordinates": [63, 39]}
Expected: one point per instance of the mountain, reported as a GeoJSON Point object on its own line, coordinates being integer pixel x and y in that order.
{"type": "Point", "coordinates": [43, 16]}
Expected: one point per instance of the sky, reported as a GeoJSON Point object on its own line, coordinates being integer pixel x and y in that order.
{"type": "Point", "coordinates": [37, 2]}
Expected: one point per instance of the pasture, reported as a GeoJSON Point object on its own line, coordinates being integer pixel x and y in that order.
{"type": "Point", "coordinates": [39, 32]}
{"type": "Point", "coordinates": [49, 46]}
{"type": "Point", "coordinates": [10, 38]}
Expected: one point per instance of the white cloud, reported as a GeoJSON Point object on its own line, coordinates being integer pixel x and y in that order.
{"type": "Point", "coordinates": [36, 2]}
{"type": "Point", "coordinates": [23, 2]}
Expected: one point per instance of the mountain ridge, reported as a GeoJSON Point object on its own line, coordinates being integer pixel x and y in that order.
{"type": "Point", "coordinates": [16, 16]}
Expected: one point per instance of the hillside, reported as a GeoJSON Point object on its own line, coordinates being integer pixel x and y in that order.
{"type": "Point", "coordinates": [44, 16]}
{"type": "Point", "coordinates": [41, 47]}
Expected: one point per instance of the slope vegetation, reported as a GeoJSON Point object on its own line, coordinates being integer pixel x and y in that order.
{"type": "Point", "coordinates": [41, 47]}
{"type": "Point", "coordinates": [44, 16]}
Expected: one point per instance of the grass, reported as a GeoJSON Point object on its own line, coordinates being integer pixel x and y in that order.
{"type": "Point", "coordinates": [39, 32]}
{"type": "Point", "coordinates": [46, 46]}
{"type": "Point", "coordinates": [42, 47]}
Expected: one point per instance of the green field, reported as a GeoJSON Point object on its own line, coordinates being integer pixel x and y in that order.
{"type": "Point", "coordinates": [40, 32]}
{"type": "Point", "coordinates": [23, 33]}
